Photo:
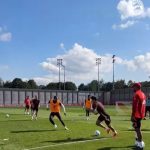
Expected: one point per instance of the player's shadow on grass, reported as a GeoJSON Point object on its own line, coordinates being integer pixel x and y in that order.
{"type": "Point", "coordinates": [26, 131]}
{"type": "Point", "coordinates": [119, 148]}
{"type": "Point", "coordinates": [71, 140]}
{"type": "Point", "coordinates": [131, 130]}
{"type": "Point", "coordinates": [14, 120]}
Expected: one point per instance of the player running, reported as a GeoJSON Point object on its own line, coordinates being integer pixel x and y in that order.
{"type": "Point", "coordinates": [138, 113]}
{"type": "Point", "coordinates": [55, 105]}
{"type": "Point", "coordinates": [88, 105]}
{"type": "Point", "coordinates": [27, 105]}
{"type": "Point", "coordinates": [35, 103]}
{"type": "Point", "coordinates": [98, 108]}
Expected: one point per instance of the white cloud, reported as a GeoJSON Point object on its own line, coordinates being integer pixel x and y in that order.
{"type": "Point", "coordinates": [131, 8]}
{"type": "Point", "coordinates": [140, 62]}
{"type": "Point", "coordinates": [131, 11]}
{"type": "Point", "coordinates": [4, 35]}
{"type": "Point", "coordinates": [124, 25]}
{"type": "Point", "coordinates": [62, 46]}
{"type": "Point", "coordinates": [80, 64]}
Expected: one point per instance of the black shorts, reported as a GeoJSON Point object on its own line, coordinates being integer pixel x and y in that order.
{"type": "Point", "coordinates": [52, 114]}
{"type": "Point", "coordinates": [27, 106]}
{"type": "Point", "coordinates": [35, 109]}
{"type": "Point", "coordinates": [105, 118]}
{"type": "Point", "coordinates": [147, 108]}
{"type": "Point", "coordinates": [137, 123]}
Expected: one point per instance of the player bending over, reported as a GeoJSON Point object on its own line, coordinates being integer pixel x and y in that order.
{"type": "Point", "coordinates": [98, 108]}
{"type": "Point", "coordinates": [55, 105]}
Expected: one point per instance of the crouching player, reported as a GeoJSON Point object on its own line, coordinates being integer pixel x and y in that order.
{"type": "Point", "coordinates": [98, 108]}
{"type": "Point", "coordinates": [55, 105]}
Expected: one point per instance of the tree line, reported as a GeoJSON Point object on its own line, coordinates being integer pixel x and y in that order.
{"type": "Point", "coordinates": [92, 86]}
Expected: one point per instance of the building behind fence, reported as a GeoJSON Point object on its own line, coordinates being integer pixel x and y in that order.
{"type": "Point", "coordinates": [15, 97]}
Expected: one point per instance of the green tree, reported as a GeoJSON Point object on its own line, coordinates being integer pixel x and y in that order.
{"type": "Point", "coordinates": [18, 83]}
{"type": "Point", "coordinates": [81, 87]}
{"type": "Point", "coordinates": [7, 84]}
{"type": "Point", "coordinates": [107, 86]}
{"type": "Point", "coordinates": [130, 83]}
{"type": "Point", "coordinates": [120, 84]}
{"type": "Point", "coordinates": [93, 86]}
{"type": "Point", "coordinates": [1, 83]}
{"type": "Point", "coordinates": [70, 86]}
{"type": "Point", "coordinates": [31, 84]}
{"type": "Point", "coordinates": [52, 86]}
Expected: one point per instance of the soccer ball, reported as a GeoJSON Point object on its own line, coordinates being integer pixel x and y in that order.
{"type": "Point", "coordinates": [7, 115]}
{"type": "Point", "coordinates": [97, 133]}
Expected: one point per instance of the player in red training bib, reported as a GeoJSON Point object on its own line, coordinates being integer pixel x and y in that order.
{"type": "Point", "coordinates": [138, 113]}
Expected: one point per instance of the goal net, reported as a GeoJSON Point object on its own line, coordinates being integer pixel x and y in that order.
{"type": "Point", "coordinates": [123, 107]}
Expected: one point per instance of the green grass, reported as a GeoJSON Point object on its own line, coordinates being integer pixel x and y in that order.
{"type": "Point", "coordinates": [22, 133]}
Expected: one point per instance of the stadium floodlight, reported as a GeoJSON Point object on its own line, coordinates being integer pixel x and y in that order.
{"type": "Point", "coordinates": [98, 62]}
{"type": "Point", "coordinates": [59, 64]}
{"type": "Point", "coordinates": [64, 75]}
{"type": "Point", "coordinates": [113, 57]}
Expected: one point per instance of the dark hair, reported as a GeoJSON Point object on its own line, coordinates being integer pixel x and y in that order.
{"type": "Point", "coordinates": [93, 98]}
{"type": "Point", "coordinates": [55, 97]}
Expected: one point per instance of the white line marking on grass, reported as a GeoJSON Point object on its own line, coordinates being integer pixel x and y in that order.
{"type": "Point", "coordinates": [4, 139]}
{"type": "Point", "coordinates": [68, 143]}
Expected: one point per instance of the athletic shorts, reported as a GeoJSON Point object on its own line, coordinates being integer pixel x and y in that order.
{"type": "Point", "coordinates": [27, 106]}
{"type": "Point", "coordinates": [137, 123]}
{"type": "Point", "coordinates": [35, 109]}
{"type": "Point", "coordinates": [147, 108]}
{"type": "Point", "coordinates": [52, 114]}
{"type": "Point", "coordinates": [106, 119]}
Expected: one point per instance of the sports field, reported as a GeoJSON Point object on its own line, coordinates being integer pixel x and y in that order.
{"type": "Point", "coordinates": [18, 132]}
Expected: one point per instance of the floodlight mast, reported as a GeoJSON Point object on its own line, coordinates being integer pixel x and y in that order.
{"type": "Point", "coordinates": [113, 61]}
{"type": "Point", "coordinates": [98, 62]}
{"type": "Point", "coordinates": [59, 64]}
{"type": "Point", "coordinates": [64, 75]}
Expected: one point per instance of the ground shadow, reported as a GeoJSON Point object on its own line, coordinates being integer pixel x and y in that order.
{"type": "Point", "coordinates": [69, 139]}
{"type": "Point", "coordinates": [10, 120]}
{"type": "Point", "coordinates": [26, 131]}
{"type": "Point", "coordinates": [134, 130]}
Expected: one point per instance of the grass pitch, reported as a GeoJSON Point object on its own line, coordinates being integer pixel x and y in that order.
{"type": "Point", "coordinates": [18, 132]}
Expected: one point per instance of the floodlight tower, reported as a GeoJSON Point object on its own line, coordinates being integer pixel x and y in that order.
{"type": "Point", "coordinates": [113, 61]}
{"type": "Point", "coordinates": [98, 62]}
{"type": "Point", "coordinates": [59, 64]}
{"type": "Point", "coordinates": [64, 75]}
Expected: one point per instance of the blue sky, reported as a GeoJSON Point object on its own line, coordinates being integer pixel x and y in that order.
{"type": "Point", "coordinates": [35, 33]}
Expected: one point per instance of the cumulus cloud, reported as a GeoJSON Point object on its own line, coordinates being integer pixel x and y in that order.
{"type": "Point", "coordinates": [4, 35]}
{"type": "Point", "coordinates": [140, 62]}
{"type": "Point", "coordinates": [131, 8]}
{"type": "Point", "coordinates": [130, 12]}
{"type": "Point", "coordinates": [80, 65]}
{"type": "Point", "coordinates": [124, 25]}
